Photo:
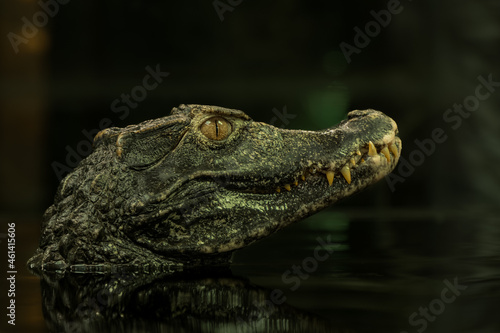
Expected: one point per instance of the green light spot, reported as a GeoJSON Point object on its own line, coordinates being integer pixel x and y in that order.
{"type": "Point", "coordinates": [327, 107]}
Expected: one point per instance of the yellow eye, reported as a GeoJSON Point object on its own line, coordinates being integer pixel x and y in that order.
{"type": "Point", "coordinates": [216, 128]}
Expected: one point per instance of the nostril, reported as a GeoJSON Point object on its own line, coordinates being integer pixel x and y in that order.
{"type": "Point", "coordinates": [358, 113]}
{"type": "Point", "coordinates": [361, 113]}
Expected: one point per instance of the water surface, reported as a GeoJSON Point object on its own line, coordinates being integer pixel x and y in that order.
{"type": "Point", "coordinates": [334, 272]}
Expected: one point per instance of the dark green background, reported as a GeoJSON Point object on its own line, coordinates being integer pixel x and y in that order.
{"type": "Point", "coordinates": [439, 223]}
{"type": "Point", "coordinates": [263, 55]}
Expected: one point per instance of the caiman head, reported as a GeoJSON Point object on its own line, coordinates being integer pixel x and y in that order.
{"type": "Point", "coordinates": [203, 182]}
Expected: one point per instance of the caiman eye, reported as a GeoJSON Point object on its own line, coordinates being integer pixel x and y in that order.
{"type": "Point", "coordinates": [216, 128]}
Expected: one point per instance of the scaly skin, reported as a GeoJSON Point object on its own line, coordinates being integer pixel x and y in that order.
{"type": "Point", "coordinates": [188, 189]}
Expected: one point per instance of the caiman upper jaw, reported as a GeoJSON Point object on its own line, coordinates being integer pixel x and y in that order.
{"type": "Point", "coordinates": [382, 157]}
{"type": "Point", "coordinates": [387, 154]}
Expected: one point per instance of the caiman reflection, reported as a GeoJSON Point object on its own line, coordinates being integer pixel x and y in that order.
{"type": "Point", "coordinates": [128, 302]}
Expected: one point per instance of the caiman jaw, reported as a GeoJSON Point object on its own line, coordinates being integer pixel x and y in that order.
{"type": "Point", "coordinates": [379, 157]}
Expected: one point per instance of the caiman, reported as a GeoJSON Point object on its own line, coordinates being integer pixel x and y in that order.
{"type": "Point", "coordinates": [190, 188]}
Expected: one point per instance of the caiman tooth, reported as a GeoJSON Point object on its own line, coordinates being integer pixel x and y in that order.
{"type": "Point", "coordinates": [358, 152]}
{"type": "Point", "coordinates": [329, 177]}
{"type": "Point", "coordinates": [296, 183]}
{"type": "Point", "coordinates": [353, 162]}
{"type": "Point", "coordinates": [303, 177]}
{"type": "Point", "coordinates": [278, 189]}
{"type": "Point", "coordinates": [287, 187]}
{"type": "Point", "coordinates": [362, 160]}
{"type": "Point", "coordinates": [386, 153]}
{"type": "Point", "coordinates": [346, 172]}
{"type": "Point", "coordinates": [394, 150]}
{"type": "Point", "coordinates": [372, 151]}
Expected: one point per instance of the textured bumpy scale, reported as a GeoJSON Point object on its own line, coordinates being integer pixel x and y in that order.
{"type": "Point", "coordinates": [190, 188]}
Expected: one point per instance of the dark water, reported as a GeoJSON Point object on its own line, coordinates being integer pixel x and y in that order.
{"type": "Point", "coordinates": [335, 272]}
